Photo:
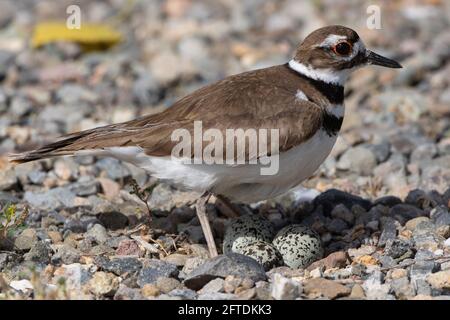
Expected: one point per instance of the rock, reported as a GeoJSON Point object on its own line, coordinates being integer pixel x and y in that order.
{"type": "Point", "coordinates": [153, 269]}
{"type": "Point", "coordinates": [8, 180]}
{"type": "Point", "coordinates": [333, 260]}
{"type": "Point", "coordinates": [113, 168]}
{"type": "Point", "coordinates": [337, 226]}
{"type": "Point", "coordinates": [26, 239]}
{"type": "Point", "coordinates": [299, 246]}
{"type": "Point", "coordinates": [362, 251]}
{"type": "Point", "coordinates": [165, 285]}
{"type": "Point", "coordinates": [265, 253]}
{"type": "Point", "coordinates": [24, 286]}
{"type": "Point", "coordinates": [396, 248]}
{"type": "Point", "coordinates": [440, 280]}
{"type": "Point", "coordinates": [39, 252]}
{"type": "Point", "coordinates": [109, 187]}
{"type": "Point", "coordinates": [341, 212]}
{"type": "Point", "coordinates": [52, 199]}
{"type": "Point", "coordinates": [412, 224]}
{"type": "Point", "coordinates": [186, 294]}
{"type": "Point", "coordinates": [360, 160]}
{"type": "Point", "coordinates": [374, 288]}
{"type": "Point", "coordinates": [326, 288]}
{"type": "Point", "coordinates": [126, 293]}
{"type": "Point", "coordinates": [216, 296]}
{"type": "Point", "coordinates": [8, 260]}
{"type": "Point", "coordinates": [222, 266]}
{"type": "Point", "coordinates": [406, 211]}
{"type": "Point", "coordinates": [440, 216]}
{"type": "Point", "coordinates": [357, 292]}
{"type": "Point", "coordinates": [113, 220]}
{"type": "Point", "coordinates": [215, 285]}
{"type": "Point", "coordinates": [421, 269]}
{"type": "Point", "coordinates": [331, 198]}
{"type": "Point", "coordinates": [55, 236]}
{"type": "Point", "coordinates": [389, 231]}
{"type": "Point", "coordinates": [284, 288]}
{"type": "Point", "coordinates": [402, 288]}
{"type": "Point", "coordinates": [245, 230]}
{"type": "Point", "coordinates": [177, 259]}
{"type": "Point", "coordinates": [104, 284]}
{"type": "Point", "coordinates": [119, 265]}
{"type": "Point", "coordinates": [98, 233]}
{"type": "Point", "coordinates": [150, 290]}
{"type": "Point", "coordinates": [128, 247]}
{"type": "Point", "coordinates": [66, 254]}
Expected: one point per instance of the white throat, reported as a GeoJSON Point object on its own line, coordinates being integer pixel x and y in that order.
{"type": "Point", "coordinates": [325, 75]}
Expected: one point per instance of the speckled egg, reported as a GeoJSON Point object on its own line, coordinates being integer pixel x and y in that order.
{"type": "Point", "coordinates": [299, 245]}
{"type": "Point", "coordinates": [243, 231]}
{"type": "Point", "coordinates": [265, 253]}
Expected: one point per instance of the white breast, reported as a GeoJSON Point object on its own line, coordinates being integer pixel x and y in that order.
{"type": "Point", "coordinates": [240, 183]}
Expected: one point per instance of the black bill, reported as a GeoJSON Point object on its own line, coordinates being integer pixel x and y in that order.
{"type": "Point", "coordinates": [376, 59]}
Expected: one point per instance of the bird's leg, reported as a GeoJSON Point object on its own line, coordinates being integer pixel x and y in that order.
{"type": "Point", "coordinates": [227, 208]}
{"type": "Point", "coordinates": [200, 207]}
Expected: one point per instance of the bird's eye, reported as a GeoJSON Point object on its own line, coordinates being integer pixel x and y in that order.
{"type": "Point", "coordinates": [342, 48]}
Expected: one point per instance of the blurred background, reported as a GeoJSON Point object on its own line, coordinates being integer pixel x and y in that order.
{"type": "Point", "coordinates": [141, 56]}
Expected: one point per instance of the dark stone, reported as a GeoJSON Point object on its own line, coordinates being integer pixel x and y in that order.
{"type": "Point", "coordinates": [153, 269]}
{"type": "Point", "coordinates": [39, 252]}
{"type": "Point", "coordinates": [397, 247]}
{"type": "Point", "coordinates": [440, 216]}
{"type": "Point", "coordinates": [119, 266]}
{"type": "Point", "coordinates": [389, 231]}
{"type": "Point", "coordinates": [222, 266]}
{"type": "Point", "coordinates": [388, 201]}
{"type": "Point", "coordinates": [337, 226]}
{"type": "Point", "coordinates": [113, 220]}
{"type": "Point", "coordinates": [330, 198]}
{"type": "Point", "coordinates": [406, 211]}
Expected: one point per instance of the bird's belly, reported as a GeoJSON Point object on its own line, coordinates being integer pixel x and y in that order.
{"type": "Point", "coordinates": [243, 183]}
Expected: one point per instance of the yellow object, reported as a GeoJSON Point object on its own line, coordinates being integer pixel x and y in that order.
{"type": "Point", "coordinates": [89, 36]}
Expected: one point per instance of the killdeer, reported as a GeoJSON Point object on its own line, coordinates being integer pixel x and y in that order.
{"type": "Point", "coordinates": [303, 99]}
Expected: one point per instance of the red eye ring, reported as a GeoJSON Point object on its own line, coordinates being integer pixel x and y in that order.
{"type": "Point", "coordinates": [342, 48]}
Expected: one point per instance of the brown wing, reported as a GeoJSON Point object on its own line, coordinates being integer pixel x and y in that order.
{"type": "Point", "coordinates": [260, 99]}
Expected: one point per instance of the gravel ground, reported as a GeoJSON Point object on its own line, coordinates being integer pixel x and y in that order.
{"type": "Point", "coordinates": [382, 210]}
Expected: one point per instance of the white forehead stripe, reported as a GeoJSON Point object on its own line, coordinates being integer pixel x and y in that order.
{"type": "Point", "coordinates": [326, 75]}
{"type": "Point", "coordinates": [331, 40]}
{"type": "Point", "coordinates": [301, 95]}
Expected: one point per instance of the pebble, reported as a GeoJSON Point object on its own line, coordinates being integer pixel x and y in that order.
{"type": "Point", "coordinates": [222, 266]}
{"type": "Point", "coordinates": [284, 288]}
{"type": "Point", "coordinates": [103, 284]}
{"type": "Point", "coordinates": [153, 269]}
{"type": "Point", "coordinates": [26, 239]}
{"type": "Point", "coordinates": [440, 280]}
{"type": "Point", "coordinates": [98, 233]}
{"type": "Point", "coordinates": [326, 288]}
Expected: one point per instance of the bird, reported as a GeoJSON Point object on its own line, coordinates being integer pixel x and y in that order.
{"type": "Point", "coordinates": [302, 99]}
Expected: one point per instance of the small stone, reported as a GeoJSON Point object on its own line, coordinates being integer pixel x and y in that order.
{"type": "Point", "coordinates": [284, 288]}
{"type": "Point", "coordinates": [360, 160]}
{"type": "Point", "coordinates": [397, 248]}
{"type": "Point", "coordinates": [186, 294]}
{"type": "Point", "coordinates": [333, 260]}
{"type": "Point", "coordinates": [104, 284]}
{"type": "Point", "coordinates": [113, 220]}
{"type": "Point", "coordinates": [362, 251]}
{"type": "Point", "coordinates": [165, 285]}
{"type": "Point", "coordinates": [26, 239]}
{"type": "Point", "coordinates": [66, 254]}
{"type": "Point", "coordinates": [126, 293]}
{"type": "Point", "coordinates": [397, 273]}
{"type": "Point", "coordinates": [440, 280]}
{"type": "Point", "coordinates": [215, 285]}
{"type": "Point", "coordinates": [119, 265]}
{"type": "Point", "coordinates": [24, 286]}
{"type": "Point", "coordinates": [8, 180]}
{"type": "Point", "coordinates": [389, 231]}
{"type": "Point", "coordinates": [324, 287]}
{"type": "Point", "coordinates": [231, 283]}
{"type": "Point", "coordinates": [402, 288]}
{"type": "Point", "coordinates": [39, 252]}
{"type": "Point", "coordinates": [216, 296]}
{"type": "Point", "coordinates": [357, 292]}
{"type": "Point", "coordinates": [222, 266]}
{"type": "Point", "coordinates": [412, 224]}
{"type": "Point", "coordinates": [55, 236]}
{"type": "Point", "coordinates": [341, 212]}
{"type": "Point", "coordinates": [98, 233]}
{"type": "Point", "coordinates": [153, 269]}
{"type": "Point", "coordinates": [177, 259]}
{"type": "Point", "coordinates": [128, 247]}
{"type": "Point", "coordinates": [109, 187]}
{"type": "Point", "coordinates": [150, 290]}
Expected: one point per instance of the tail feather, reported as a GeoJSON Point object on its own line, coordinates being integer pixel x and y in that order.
{"type": "Point", "coordinates": [58, 148]}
